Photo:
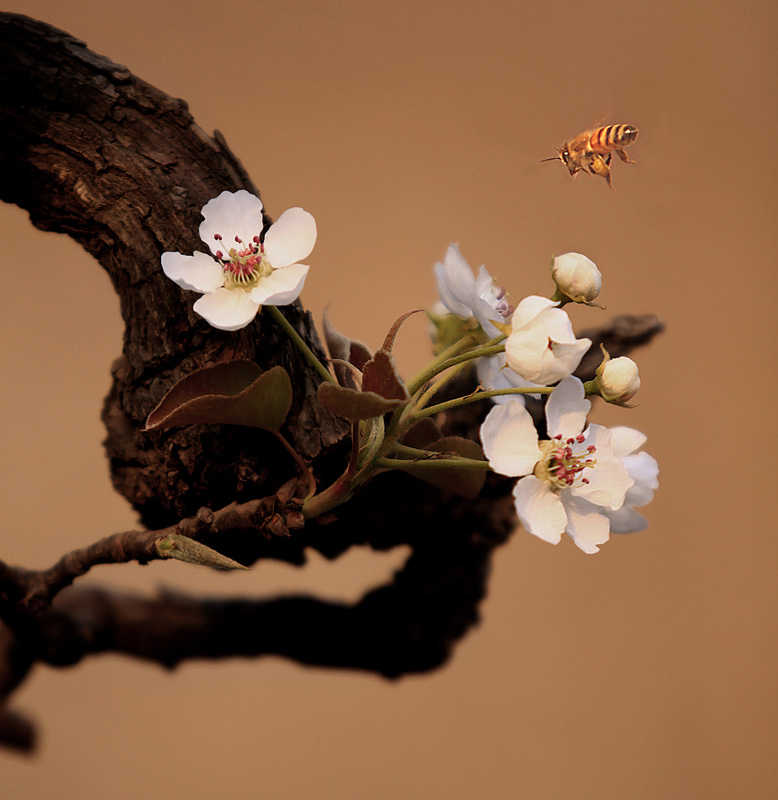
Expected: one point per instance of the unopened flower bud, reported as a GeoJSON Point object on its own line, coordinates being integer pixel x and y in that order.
{"type": "Point", "coordinates": [618, 379]}
{"type": "Point", "coordinates": [576, 277]}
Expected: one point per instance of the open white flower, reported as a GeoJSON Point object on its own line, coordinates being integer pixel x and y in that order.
{"type": "Point", "coordinates": [466, 295]}
{"type": "Point", "coordinates": [643, 469]}
{"type": "Point", "coordinates": [542, 347]}
{"type": "Point", "coordinates": [246, 273]}
{"type": "Point", "coordinates": [570, 482]}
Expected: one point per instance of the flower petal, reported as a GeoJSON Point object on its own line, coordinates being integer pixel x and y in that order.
{"type": "Point", "coordinates": [608, 479]}
{"type": "Point", "coordinates": [227, 309]}
{"type": "Point", "coordinates": [644, 470]}
{"type": "Point", "coordinates": [493, 373]}
{"type": "Point", "coordinates": [626, 520]}
{"type": "Point", "coordinates": [524, 351]}
{"type": "Point", "coordinates": [529, 308]}
{"type": "Point", "coordinates": [231, 214]}
{"type": "Point", "coordinates": [290, 238]}
{"type": "Point", "coordinates": [281, 287]}
{"type": "Point", "coordinates": [197, 273]}
{"type": "Point", "coordinates": [540, 510]}
{"type": "Point", "coordinates": [560, 360]}
{"type": "Point", "coordinates": [456, 283]}
{"type": "Point", "coordinates": [487, 298]}
{"type": "Point", "coordinates": [587, 526]}
{"type": "Point", "coordinates": [567, 408]}
{"type": "Point", "coordinates": [626, 440]}
{"type": "Point", "coordinates": [510, 440]}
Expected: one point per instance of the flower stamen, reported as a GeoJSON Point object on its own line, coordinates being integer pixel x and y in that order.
{"type": "Point", "coordinates": [560, 465]}
{"type": "Point", "coordinates": [245, 265]}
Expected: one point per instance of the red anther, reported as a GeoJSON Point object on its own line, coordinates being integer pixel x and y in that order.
{"type": "Point", "coordinates": [255, 240]}
{"type": "Point", "coordinates": [591, 448]}
{"type": "Point", "coordinates": [584, 480]}
{"type": "Point", "coordinates": [219, 255]}
{"type": "Point", "coordinates": [217, 236]}
{"type": "Point", "coordinates": [580, 438]}
{"type": "Point", "coordinates": [238, 240]}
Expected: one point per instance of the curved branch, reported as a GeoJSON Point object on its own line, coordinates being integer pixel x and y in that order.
{"type": "Point", "coordinates": [92, 151]}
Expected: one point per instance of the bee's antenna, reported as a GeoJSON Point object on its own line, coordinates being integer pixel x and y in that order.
{"type": "Point", "coordinates": [553, 158]}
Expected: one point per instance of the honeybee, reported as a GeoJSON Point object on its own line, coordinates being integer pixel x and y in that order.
{"type": "Point", "coordinates": [592, 150]}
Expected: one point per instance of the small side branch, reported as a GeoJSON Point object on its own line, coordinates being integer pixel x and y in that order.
{"type": "Point", "coordinates": [32, 591]}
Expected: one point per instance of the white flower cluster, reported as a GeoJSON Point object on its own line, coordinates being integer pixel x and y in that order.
{"type": "Point", "coordinates": [585, 481]}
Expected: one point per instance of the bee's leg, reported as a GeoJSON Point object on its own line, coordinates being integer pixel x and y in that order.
{"type": "Point", "coordinates": [625, 158]}
{"type": "Point", "coordinates": [600, 166]}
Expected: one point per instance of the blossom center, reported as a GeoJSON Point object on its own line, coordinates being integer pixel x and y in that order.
{"type": "Point", "coordinates": [563, 464]}
{"type": "Point", "coordinates": [245, 264]}
{"type": "Point", "coordinates": [497, 298]}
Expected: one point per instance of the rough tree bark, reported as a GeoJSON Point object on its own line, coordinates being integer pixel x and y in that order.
{"type": "Point", "coordinates": [92, 151]}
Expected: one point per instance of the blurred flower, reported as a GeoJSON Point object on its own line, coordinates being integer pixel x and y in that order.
{"type": "Point", "coordinates": [466, 296]}
{"type": "Point", "coordinates": [618, 379]}
{"type": "Point", "coordinates": [251, 273]}
{"type": "Point", "coordinates": [643, 469]}
{"type": "Point", "coordinates": [542, 347]}
{"type": "Point", "coordinates": [572, 481]}
{"type": "Point", "coordinates": [576, 277]}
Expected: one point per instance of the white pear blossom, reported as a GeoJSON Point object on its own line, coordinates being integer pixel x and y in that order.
{"type": "Point", "coordinates": [576, 277]}
{"type": "Point", "coordinates": [643, 469]}
{"type": "Point", "coordinates": [467, 296]}
{"type": "Point", "coordinates": [245, 273]}
{"type": "Point", "coordinates": [568, 483]}
{"type": "Point", "coordinates": [542, 347]}
{"type": "Point", "coordinates": [618, 379]}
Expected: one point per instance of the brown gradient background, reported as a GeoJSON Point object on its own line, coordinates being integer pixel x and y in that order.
{"type": "Point", "coordinates": [646, 671]}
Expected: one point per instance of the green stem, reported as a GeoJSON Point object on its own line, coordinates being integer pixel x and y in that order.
{"type": "Point", "coordinates": [412, 452]}
{"type": "Point", "coordinates": [454, 349]}
{"type": "Point", "coordinates": [435, 386]}
{"type": "Point", "coordinates": [440, 363]}
{"type": "Point", "coordinates": [427, 464]}
{"type": "Point", "coordinates": [475, 397]}
{"type": "Point", "coordinates": [301, 345]}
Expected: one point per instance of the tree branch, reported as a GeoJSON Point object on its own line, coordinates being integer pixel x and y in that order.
{"type": "Point", "coordinates": [92, 151]}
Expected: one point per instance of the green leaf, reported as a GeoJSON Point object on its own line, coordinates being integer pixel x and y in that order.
{"type": "Point", "coordinates": [192, 552]}
{"type": "Point", "coordinates": [233, 393]}
{"type": "Point", "coordinates": [353, 404]}
{"type": "Point", "coordinates": [465, 482]}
